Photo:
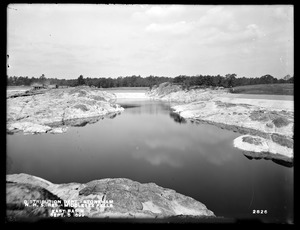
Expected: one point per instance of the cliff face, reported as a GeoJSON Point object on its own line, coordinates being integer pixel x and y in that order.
{"type": "Point", "coordinates": [124, 198]}
{"type": "Point", "coordinates": [271, 121]}
{"type": "Point", "coordinates": [56, 109]}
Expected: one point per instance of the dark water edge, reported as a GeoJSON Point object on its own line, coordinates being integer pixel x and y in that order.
{"type": "Point", "coordinates": [148, 143]}
{"type": "Point", "coordinates": [76, 122]}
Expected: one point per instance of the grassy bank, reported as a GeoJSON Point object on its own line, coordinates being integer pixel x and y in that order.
{"type": "Point", "coordinates": [272, 89]}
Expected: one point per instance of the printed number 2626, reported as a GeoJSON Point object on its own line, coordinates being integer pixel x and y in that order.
{"type": "Point", "coordinates": [259, 211]}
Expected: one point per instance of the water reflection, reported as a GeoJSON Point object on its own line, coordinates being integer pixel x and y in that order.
{"type": "Point", "coordinates": [81, 122]}
{"type": "Point", "coordinates": [285, 163]}
{"type": "Point", "coordinates": [128, 106]}
{"type": "Point", "coordinates": [143, 107]}
{"type": "Point", "coordinates": [145, 144]}
{"type": "Point", "coordinates": [171, 145]}
{"type": "Point", "coordinates": [177, 118]}
{"type": "Point", "coordinates": [112, 116]}
{"type": "Point", "coordinates": [160, 149]}
{"type": "Point", "coordinates": [9, 164]}
{"type": "Point", "coordinates": [163, 157]}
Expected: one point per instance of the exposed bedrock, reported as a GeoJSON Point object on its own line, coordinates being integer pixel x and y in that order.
{"type": "Point", "coordinates": [270, 120]}
{"type": "Point", "coordinates": [56, 109]}
{"type": "Point", "coordinates": [128, 199]}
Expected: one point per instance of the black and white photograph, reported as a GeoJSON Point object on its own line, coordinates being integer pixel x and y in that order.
{"type": "Point", "coordinates": [149, 113]}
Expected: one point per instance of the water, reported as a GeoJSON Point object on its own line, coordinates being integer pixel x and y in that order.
{"type": "Point", "coordinates": [148, 144]}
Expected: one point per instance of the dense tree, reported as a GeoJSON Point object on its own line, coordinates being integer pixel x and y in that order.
{"type": "Point", "coordinates": [80, 80]}
{"type": "Point", "coordinates": [42, 79]}
{"type": "Point", "coordinates": [229, 80]}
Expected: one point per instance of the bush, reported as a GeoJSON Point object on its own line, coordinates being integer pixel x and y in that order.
{"type": "Point", "coordinates": [259, 115]}
{"type": "Point", "coordinates": [280, 122]}
{"type": "Point", "coordinates": [282, 140]}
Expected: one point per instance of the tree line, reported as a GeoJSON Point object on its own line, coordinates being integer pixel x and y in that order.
{"type": "Point", "coordinates": [227, 81]}
{"type": "Point", "coordinates": [128, 81]}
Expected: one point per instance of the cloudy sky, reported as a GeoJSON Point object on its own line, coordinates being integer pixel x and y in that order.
{"type": "Point", "coordinates": [65, 41]}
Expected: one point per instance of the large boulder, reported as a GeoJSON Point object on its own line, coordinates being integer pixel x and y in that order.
{"type": "Point", "coordinates": [255, 147]}
{"type": "Point", "coordinates": [113, 198]}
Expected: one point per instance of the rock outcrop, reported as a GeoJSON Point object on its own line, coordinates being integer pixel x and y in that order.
{"type": "Point", "coordinates": [55, 110]}
{"type": "Point", "coordinates": [108, 198]}
{"type": "Point", "coordinates": [261, 148]}
{"type": "Point", "coordinates": [19, 197]}
{"type": "Point", "coordinates": [272, 121]}
{"type": "Point", "coordinates": [175, 93]}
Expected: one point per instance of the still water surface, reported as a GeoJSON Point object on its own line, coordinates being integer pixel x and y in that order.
{"type": "Point", "coordinates": [147, 144]}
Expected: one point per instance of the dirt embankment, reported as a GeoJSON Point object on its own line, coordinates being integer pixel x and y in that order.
{"type": "Point", "coordinates": [56, 109]}
{"type": "Point", "coordinates": [270, 120]}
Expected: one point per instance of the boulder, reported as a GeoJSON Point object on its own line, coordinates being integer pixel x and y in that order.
{"type": "Point", "coordinates": [261, 148]}
{"type": "Point", "coordinates": [113, 198]}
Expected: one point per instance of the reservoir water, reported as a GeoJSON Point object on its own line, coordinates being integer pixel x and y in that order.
{"type": "Point", "coordinates": [146, 143]}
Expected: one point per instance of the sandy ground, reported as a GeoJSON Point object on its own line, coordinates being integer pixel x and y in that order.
{"type": "Point", "coordinates": [277, 102]}
{"type": "Point", "coordinates": [261, 96]}
{"type": "Point", "coordinates": [274, 102]}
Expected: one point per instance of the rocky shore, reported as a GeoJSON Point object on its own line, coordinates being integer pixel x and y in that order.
{"type": "Point", "coordinates": [54, 110]}
{"type": "Point", "coordinates": [105, 198]}
{"type": "Point", "coordinates": [269, 121]}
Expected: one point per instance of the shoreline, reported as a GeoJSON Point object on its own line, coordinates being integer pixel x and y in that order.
{"type": "Point", "coordinates": [54, 110]}
{"type": "Point", "coordinates": [285, 159]}
{"type": "Point", "coordinates": [270, 121]}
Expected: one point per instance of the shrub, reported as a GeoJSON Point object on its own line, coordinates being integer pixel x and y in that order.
{"type": "Point", "coordinates": [280, 122]}
{"type": "Point", "coordinates": [282, 140]}
{"type": "Point", "coordinates": [259, 116]}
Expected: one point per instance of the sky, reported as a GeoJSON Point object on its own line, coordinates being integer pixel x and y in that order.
{"type": "Point", "coordinates": [69, 40]}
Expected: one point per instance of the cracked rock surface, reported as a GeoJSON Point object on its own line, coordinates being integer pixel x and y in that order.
{"type": "Point", "coordinates": [55, 110]}
{"type": "Point", "coordinates": [129, 199]}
